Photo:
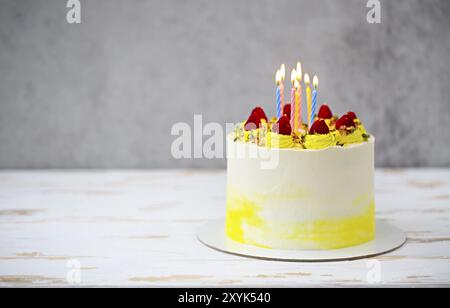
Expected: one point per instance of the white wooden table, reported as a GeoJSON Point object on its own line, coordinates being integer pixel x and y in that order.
{"type": "Point", "coordinates": [134, 228]}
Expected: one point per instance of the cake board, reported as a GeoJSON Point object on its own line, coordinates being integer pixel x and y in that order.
{"type": "Point", "coordinates": [387, 239]}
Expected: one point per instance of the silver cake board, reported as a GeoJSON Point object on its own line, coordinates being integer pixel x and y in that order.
{"type": "Point", "coordinates": [387, 239]}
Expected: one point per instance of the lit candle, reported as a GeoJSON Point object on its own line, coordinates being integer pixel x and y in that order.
{"type": "Point", "coordinates": [314, 97]}
{"type": "Point", "coordinates": [297, 106]}
{"type": "Point", "coordinates": [308, 98]}
{"type": "Point", "coordinates": [282, 75]}
{"type": "Point", "coordinates": [299, 93]}
{"type": "Point", "coordinates": [293, 100]}
{"type": "Point", "coordinates": [278, 92]}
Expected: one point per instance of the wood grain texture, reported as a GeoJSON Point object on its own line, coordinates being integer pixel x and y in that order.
{"type": "Point", "coordinates": [138, 229]}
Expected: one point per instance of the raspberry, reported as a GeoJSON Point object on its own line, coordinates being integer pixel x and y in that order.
{"type": "Point", "coordinates": [319, 127]}
{"type": "Point", "coordinates": [283, 126]}
{"type": "Point", "coordinates": [254, 120]}
{"type": "Point", "coordinates": [325, 112]}
{"type": "Point", "coordinates": [344, 122]}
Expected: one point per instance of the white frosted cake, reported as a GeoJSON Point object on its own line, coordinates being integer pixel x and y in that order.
{"type": "Point", "coordinates": [311, 189]}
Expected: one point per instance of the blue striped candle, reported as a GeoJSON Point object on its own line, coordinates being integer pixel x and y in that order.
{"type": "Point", "coordinates": [278, 93]}
{"type": "Point", "coordinates": [314, 98]}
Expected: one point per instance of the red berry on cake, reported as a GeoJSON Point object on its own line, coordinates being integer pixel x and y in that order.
{"type": "Point", "coordinates": [344, 122]}
{"type": "Point", "coordinates": [325, 112]}
{"type": "Point", "coordinates": [254, 120]}
{"type": "Point", "coordinates": [352, 115]}
{"type": "Point", "coordinates": [260, 112]}
{"type": "Point", "coordinates": [283, 126]}
{"type": "Point", "coordinates": [319, 127]}
{"type": "Point", "coordinates": [287, 110]}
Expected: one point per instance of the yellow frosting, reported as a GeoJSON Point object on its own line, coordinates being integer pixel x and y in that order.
{"type": "Point", "coordinates": [354, 137]}
{"type": "Point", "coordinates": [241, 211]}
{"type": "Point", "coordinates": [264, 137]}
{"type": "Point", "coordinates": [362, 128]}
{"type": "Point", "coordinates": [242, 135]}
{"type": "Point", "coordinates": [318, 141]}
{"type": "Point", "coordinates": [330, 122]}
{"type": "Point", "coordinates": [330, 233]}
{"type": "Point", "coordinates": [274, 140]}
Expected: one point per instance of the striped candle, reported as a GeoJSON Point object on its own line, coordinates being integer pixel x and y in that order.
{"type": "Point", "coordinates": [299, 93]}
{"type": "Point", "coordinates": [314, 98]}
{"type": "Point", "coordinates": [293, 107]}
{"type": "Point", "coordinates": [299, 105]}
{"type": "Point", "coordinates": [282, 76]}
{"type": "Point", "coordinates": [278, 93]}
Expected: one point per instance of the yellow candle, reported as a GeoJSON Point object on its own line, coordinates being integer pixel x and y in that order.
{"type": "Point", "coordinates": [308, 98]}
{"type": "Point", "coordinates": [282, 75]}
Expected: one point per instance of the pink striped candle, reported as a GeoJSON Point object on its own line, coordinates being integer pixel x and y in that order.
{"type": "Point", "coordinates": [293, 107]}
{"type": "Point", "coordinates": [299, 93]}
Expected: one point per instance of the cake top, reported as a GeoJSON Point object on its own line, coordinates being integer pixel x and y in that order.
{"type": "Point", "coordinates": [321, 130]}
{"type": "Point", "coordinates": [327, 129]}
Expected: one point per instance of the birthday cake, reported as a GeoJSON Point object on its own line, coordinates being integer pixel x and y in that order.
{"type": "Point", "coordinates": [294, 185]}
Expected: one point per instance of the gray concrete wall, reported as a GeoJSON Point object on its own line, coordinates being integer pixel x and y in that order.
{"type": "Point", "coordinates": [106, 93]}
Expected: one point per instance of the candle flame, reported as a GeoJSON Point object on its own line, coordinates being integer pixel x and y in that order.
{"type": "Point", "coordinates": [293, 76]}
{"type": "Point", "coordinates": [315, 82]}
{"type": "Point", "coordinates": [307, 79]}
{"type": "Point", "coordinates": [299, 71]}
{"type": "Point", "coordinates": [296, 84]}
{"type": "Point", "coordinates": [278, 77]}
{"type": "Point", "coordinates": [282, 71]}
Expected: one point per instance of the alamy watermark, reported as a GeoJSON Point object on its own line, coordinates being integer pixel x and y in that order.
{"type": "Point", "coordinates": [212, 147]}
{"type": "Point", "coordinates": [73, 275]}
{"type": "Point", "coordinates": [208, 141]}
{"type": "Point", "coordinates": [374, 271]}
{"type": "Point", "coordinates": [73, 15]}
{"type": "Point", "coordinates": [374, 14]}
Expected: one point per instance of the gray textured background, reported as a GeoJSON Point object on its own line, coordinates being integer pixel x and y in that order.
{"type": "Point", "coordinates": [106, 93]}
